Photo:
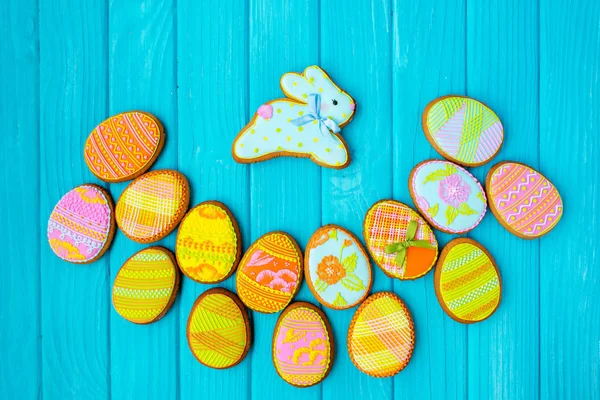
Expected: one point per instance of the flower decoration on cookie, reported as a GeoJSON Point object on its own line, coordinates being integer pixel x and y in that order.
{"type": "Point", "coordinates": [305, 124]}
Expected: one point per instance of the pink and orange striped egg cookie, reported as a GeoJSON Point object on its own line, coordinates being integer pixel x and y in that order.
{"type": "Point", "coordinates": [523, 200]}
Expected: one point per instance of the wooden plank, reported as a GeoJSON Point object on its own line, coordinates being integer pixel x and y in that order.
{"type": "Point", "coordinates": [75, 298]}
{"type": "Point", "coordinates": [285, 192]}
{"type": "Point", "coordinates": [213, 103]}
{"type": "Point", "coordinates": [569, 144]}
{"type": "Point", "coordinates": [142, 76]}
{"type": "Point", "coordinates": [428, 62]}
{"type": "Point", "coordinates": [355, 50]}
{"type": "Point", "coordinates": [20, 178]}
{"type": "Point", "coordinates": [502, 71]}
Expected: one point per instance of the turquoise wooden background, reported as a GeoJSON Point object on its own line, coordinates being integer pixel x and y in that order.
{"type": "Point", "coordinates": [203, 67]}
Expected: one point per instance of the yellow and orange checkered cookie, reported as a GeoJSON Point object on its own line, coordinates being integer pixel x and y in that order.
{"type": "Point", "coordinates": [153, 205]}
{"type": "Point", "coordinates": [381, 336]}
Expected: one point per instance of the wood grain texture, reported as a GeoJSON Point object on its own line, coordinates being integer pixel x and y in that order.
{"type": "Point", "coordinates": [569, 157]}
{"type": "Point", "coordinates": [203, 68]}
{"type": "Point", "coordinates": [20, 178]}
{"type": "Point", "coordinates": [74, 298]}
{"type": "Point", "coordinates": [428, 62]}
{"type": "Point", "coordinates": [212, 107]}
{"type": "Point", "coordinates": [142, 76]}
{"type": "Point", "coordinates": [285, 192]}
{"type": "Point", "coordinates": [350, 35]}
{"type": "Point", "coordinates": [503, 352]}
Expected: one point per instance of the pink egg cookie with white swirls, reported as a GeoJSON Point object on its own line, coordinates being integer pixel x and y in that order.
{"type": "Point", "coordinates": [81, 226]}
{"type": "Point", "coordinates": [523, 200]}
{"type": "Point", "coordinates": [302, 345]}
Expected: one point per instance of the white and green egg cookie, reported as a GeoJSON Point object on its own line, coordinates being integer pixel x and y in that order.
{"type": "Point", "coordinates": [337, 268]}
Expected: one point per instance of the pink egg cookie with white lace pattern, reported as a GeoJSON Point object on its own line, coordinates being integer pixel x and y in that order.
{"type": "Point", "coordinates": [82, 224]}
{"type": "Point", "coordinates": [523, 200]}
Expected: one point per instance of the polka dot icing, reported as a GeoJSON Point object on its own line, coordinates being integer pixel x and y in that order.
{"type": "Point", "coordinates": [337, 268]}
{"type": "Point", "coordinates": [124, 146]}
{"type": "Point", "coordinates": [208, 243]}
{"type": "Point", "coordinates": [524, 201]}
{"type": "Point", "coordinates": [302, 345]}
{"type": "Point", "coordinates": [386, 223]}
{"type": "Point", "coordinates": [270, 273]}
{"type": "Point", "coordinates": [381, 336]}
{"type": "Point", "coordinates": [146, 285]}
{"type": "Point", "coordinates": [467, 281]}
{"type": "Point", "coordinates": [463, 130]}
{"type": "Point", "coordinates": [81, 226]}
{"type": "Point", "coordinates": [152, 205]}
{"type": "Point", "coordinates": [218, 330]}
{"type": "Point", "coordinates": [448, 196]}
{"type": "Point", "coordinates": [314, 108]}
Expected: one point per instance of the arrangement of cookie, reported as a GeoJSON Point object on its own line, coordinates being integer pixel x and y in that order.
{"type": "Point", "coordinates": [336, 266]}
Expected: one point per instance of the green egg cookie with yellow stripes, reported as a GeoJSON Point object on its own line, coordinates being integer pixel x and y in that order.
{"type": "Point", "coordinates": [146, 285]}
{"type": "Point", "coordinates": [467, 281]}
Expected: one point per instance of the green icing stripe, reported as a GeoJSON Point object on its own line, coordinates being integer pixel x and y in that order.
{"type": "Point", "coordinates": [441, 112]}
{"type": "Point", "coordinates": [471, 306]}
{"type": "Point", "coordinates": [474, 294]}
{"type": "Point", "coordinates": [460, 255]}
{"type": "Point", "coordinates": [478, 118]}
{"type": "Point", "coordinates": [150, 257]}
{"type": "Point", "coordinates": [471, 286]}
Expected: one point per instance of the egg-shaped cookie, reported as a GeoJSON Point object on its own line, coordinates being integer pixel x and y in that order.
{"type": "Point", "coordinates": [467, 281]}
{"type": "Point", "coordinates": [463, 130]}
{"type": "Point", "coordinates": [523, 200]}
{"type": "Point", "coordinates": [152, 205]}
{"type": "Point", "coordinates": [209, 244]}
{"type": "Point", "coordinates": [381, 336]}
{"type": "Point", "coordinates": [336, 268]}
{"type": "Point", "coordinates": [124, 146]}
{"type": "Point", "coordinates": [303, 345]}
{"type": "Point", "coordinates": [399, 240]}
{"type": "Point", "coordinates": [82, 224]}
{"type": "Point", "coordinates": [270, 273]}
{"type": "Point", "coordinates": [146, 285]}
{"type": "Point", "coordinates": [447, 196]}
{"type": "Point", "coordinates": [218, 330]}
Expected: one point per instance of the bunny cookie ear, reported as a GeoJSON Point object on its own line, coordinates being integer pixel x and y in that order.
{"type": "Point", "coordinates": [296, 86]}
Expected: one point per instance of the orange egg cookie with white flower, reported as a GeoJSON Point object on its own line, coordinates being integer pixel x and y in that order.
{"type": "Point", "coordinates": [337, 268]}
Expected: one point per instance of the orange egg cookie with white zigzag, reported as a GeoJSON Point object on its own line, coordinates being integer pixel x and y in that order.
{"type": "Point", "coordinates": [146, 285]}
{"type": "Point", "coordinates": [270, 273]}
{"type": "Point", "coordinates": [218, 330]}
{"type": "Point", "coordinates": [124, 146]}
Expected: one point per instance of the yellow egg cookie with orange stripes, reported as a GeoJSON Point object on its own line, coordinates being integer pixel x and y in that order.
{"type": "Point", "coordinates": [153, 205]}
{"type": "Point", "coordinates": [146, 285]}
{"type": "Point", "coordinates": [209, 244]}
{"type": "Point", "coordinates": [270, 273]}
{"type": "Point", "coordinates": [467, 281]}
{"type": "Point", "coordinates": [124, 146]}
{"type": "Point", "coordinates": [218, 330]}
{"type": "Point", "coordinates": [381, 336]}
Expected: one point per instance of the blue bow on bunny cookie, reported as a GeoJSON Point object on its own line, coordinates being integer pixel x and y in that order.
{"type": "Point", "coordinates": [305, 124]}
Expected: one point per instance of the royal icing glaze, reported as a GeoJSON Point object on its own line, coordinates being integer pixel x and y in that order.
{"type": "Point", "coordinates": [336, 267]}
{"type": "Point", "coordinates": [270, 273]}
{"type": "Point", "coordinates": [523, 200]}
{"type": "Point", "coordinates": [146, 285]}
{"type": "Point", "coordinates": [448, 196]}
{"type": "Point", "coordinates": [467, 282]}
{"type": "Point", "coordinates": [305, 124]}
{"type": "Point", "coordinates": [208, 245]}
{"type": "Point", "coordinates": [302, 345]}
{"type": "Point", "coordinates": [80, 226]}
{"type": "Point", "coordinates": [381, 336]}
{"type": "Point", "coordinates": [386, 223]}
{"type": "Point", "coordinates": [152, 205]}
{"type": "Point", "coordinates": [218, 331]}
{"type": "Point", "coordinates": [123, 146]}
{"type": "Point", "coordinates": [463, 130]}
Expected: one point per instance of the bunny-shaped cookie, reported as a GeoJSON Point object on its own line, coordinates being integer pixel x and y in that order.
{"type": "Point", "coordinates": [306, 124]}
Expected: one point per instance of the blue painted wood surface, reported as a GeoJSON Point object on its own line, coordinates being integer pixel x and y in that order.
{"type": "Point", "coordinates": [203, 68]}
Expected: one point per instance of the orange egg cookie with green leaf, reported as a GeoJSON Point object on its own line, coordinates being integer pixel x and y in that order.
{"type": "Point", "coordinates": [399, 240]}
